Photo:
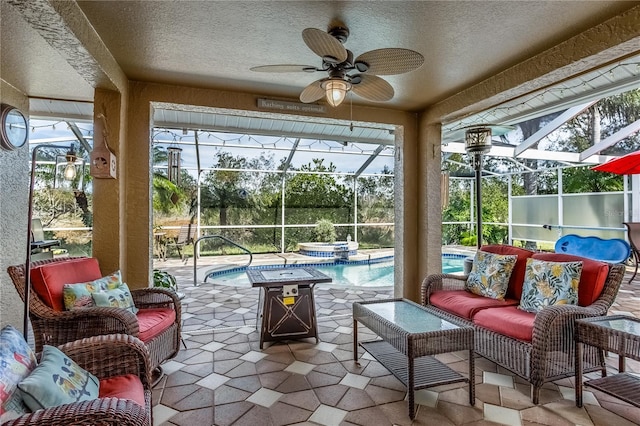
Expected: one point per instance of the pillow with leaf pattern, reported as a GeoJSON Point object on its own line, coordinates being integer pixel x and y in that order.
{"type": "Point", "coordinates": [490, 273]}
{"type": "Point", "coordinates": [550, 283]}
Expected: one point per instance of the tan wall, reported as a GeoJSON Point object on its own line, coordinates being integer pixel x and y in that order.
{"type": "Point", "coordinates": [14, 193]}
{"type": "Point", "coordinates": [142, 96]}
{"type": "Point", "coordinates": [108, 206]}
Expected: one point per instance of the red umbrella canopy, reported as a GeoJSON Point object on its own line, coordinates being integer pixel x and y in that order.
{"type": "Point", "coordinates": [626, 165]}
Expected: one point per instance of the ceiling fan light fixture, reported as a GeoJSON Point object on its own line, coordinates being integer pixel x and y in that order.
{"type": "Point", "coordinates": [336, 91]}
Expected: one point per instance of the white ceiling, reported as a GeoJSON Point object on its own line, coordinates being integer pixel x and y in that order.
{"type": "Point", "coordinates": [214, 43]}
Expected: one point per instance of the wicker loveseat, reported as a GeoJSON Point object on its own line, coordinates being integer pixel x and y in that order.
{"type": "Point", "coordinates": [537, 347]}
{"type": "Point", "coordinates": [157, 322]}
{"type": "Point", "coordinates": [121, 363]}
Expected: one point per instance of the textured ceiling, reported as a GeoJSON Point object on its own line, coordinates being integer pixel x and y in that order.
{"type": "Point", "coordinates": [214, 43]}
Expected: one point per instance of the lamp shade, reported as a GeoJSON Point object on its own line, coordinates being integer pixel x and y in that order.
{"type": "Point", "coordinates": [336, 90]}
{"type": "Point", "coordinates": [477, 140]}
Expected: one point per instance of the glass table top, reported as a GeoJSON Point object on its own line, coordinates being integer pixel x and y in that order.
{"type": "Point", "coordinates": [628, 325]}
{"type": "Point", "coordinates": [410, 317]}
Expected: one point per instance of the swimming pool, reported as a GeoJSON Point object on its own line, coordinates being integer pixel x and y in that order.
{"type": "Point", "coordinates": [348, 274]}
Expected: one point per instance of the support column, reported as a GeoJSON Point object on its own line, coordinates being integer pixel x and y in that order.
{"type": "Point", "coordinates": [108, 203]}
{"type": "Point", "coordinates": [423, 198]}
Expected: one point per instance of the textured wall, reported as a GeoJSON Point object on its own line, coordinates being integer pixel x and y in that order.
{"type": "Point", "coordinates": [14, 191]}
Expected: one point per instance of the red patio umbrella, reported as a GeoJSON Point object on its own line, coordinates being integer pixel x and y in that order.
{"type": "Point", "coordinates": [626, 165]}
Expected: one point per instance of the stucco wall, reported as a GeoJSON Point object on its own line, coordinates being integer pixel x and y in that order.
{"type": "Point", "coordinates": [14, 192]}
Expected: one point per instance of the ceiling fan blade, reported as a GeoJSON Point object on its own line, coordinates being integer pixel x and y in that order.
{"type": "Point", "coordinates": [324, 45]}
{"type": "Point", "coordinates": [312, 92]}
{"type": "Point", "coordinates": [389, 61]}
{"type": "Point", "coordinates": [373, 88]}
{"type": "Point", "coordinates": [284, 68]}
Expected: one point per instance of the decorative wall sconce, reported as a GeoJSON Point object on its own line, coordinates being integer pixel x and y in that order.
{"type": "Point", "coordinates": [103, 161]}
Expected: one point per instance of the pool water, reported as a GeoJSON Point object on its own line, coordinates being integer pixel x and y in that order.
{"type": "Point", "coordinates": [348, 275]}
{"type": "Point", "coordinates": [367, 275]}
{"type": "Point", "coordinates": [452, 265]}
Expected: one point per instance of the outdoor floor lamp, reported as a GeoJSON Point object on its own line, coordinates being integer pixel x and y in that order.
{"type": "Point", "coordinates": [69, 174]}
{"type": "Point", "coordinates": [477, 142]}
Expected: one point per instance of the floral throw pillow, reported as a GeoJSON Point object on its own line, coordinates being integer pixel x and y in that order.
{"type": "Point", "coordinates": [17, 360]}
{"type": "Point", "coordinates": [490, 273]}
{"type": "Point", "coordinates": [79, 295]}
{"type": "Point", "coordinates": [550, 283]}
{"type": "Point", "coordinates": [57, 380]}
{"type": "Point", "coordinates": [119, 297]}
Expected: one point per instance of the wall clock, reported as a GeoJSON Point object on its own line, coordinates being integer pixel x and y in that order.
{"type": "Point", "coordinates": [14, 130]}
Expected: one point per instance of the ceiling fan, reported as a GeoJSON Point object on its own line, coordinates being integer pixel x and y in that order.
{"type": "Point", "coordinates": [345, 73]}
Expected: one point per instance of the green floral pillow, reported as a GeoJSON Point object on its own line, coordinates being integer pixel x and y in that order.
{"type": "Point", "coordinates": [119, 297]}
{"type": "Point", "coordinates": [490, 273]}
{"type": "Point", "coordinates": [79, 295]}
{"type": "Point", "coordinates": [550, 283]}
{"type": "Point", "coordinates": [57, 380]}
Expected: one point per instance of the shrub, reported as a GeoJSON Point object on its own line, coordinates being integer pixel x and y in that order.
{"type": "Point", "coordinates": [468, 239]}
{"type": "Point", "coordinates": [164, 279]}
{"type": "Point", "coordinates": [325, 231]}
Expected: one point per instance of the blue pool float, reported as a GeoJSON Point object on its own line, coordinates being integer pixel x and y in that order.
{"type": "Point", "coordinates": [613, 250]}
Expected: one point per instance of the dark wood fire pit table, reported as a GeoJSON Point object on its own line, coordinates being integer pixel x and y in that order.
{"type": "Point", "coordinates": [288, 311]}
{"type": "Point", "coordinates": [410, 335]}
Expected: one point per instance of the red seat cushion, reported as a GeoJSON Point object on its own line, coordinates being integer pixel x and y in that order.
{"type": "Point", "coordinates": [48, 280]}
{"type": "Point", "coordinates": [514, 291]}
{"type": "Point", "coordinates": [152, 322]}
{"type": "Point", "coordinates": [508, 321]}
{"type": "Point", "coordinates": [128, 387]}
{"type": "Point", "coordinates": [464, 303]}
{"type": "Point", "coordinates": [592, 279]}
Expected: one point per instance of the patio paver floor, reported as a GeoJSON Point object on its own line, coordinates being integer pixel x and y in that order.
{"type": "Point", "coordinates": [223, 378]}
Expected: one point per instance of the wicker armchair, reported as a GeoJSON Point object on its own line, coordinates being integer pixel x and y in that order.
{"type": "Point", "coordinates": [105, 357]}
{"type": "Point", "coordinates": [53, 327]}
{"type": "Point", "coordinates": [550, 355]}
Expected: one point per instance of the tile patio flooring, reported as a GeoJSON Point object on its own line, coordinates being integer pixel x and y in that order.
{"type": "Point", "coordinates": [223, 378]}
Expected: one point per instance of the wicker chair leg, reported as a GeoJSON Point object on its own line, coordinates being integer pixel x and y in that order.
{"type": "Point", "coordinates": [535, 394]}
{"type": "Point", "coordinates": [156, 375]}
{"type": "Point", "coordinates": [636, 258]}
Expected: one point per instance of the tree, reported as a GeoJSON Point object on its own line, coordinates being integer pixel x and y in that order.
{"type": "Point", "coordinates": [603, 119]}
{"type": "Point", "coordinates": [376, 205]}
{"type": "Point", "coordinates": [315, 195]}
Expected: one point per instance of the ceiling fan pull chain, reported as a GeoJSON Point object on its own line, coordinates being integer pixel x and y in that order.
{"type": "Point", "coordinates": [351, 111]}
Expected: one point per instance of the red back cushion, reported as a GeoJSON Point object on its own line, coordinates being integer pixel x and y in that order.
{"type": "Point", "coordinates": [48, 280]}
{"type": "Point", "coordinates": [592, 279]}
{"type": "Point", "coordinates": [128, 387]}
{"type": "Point", "coordinates": [514, 291]}
{"type": "Point", "coordinates": [154, 321]}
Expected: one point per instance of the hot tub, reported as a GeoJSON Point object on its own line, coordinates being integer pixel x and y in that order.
{"type": "Point", "coordinates": [328, 249]}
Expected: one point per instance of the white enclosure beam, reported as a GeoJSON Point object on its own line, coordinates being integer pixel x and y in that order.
{"type": "Point", "coordinates": [611, 140]}
{"type": "Point", "coordinates": [553, 125]}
